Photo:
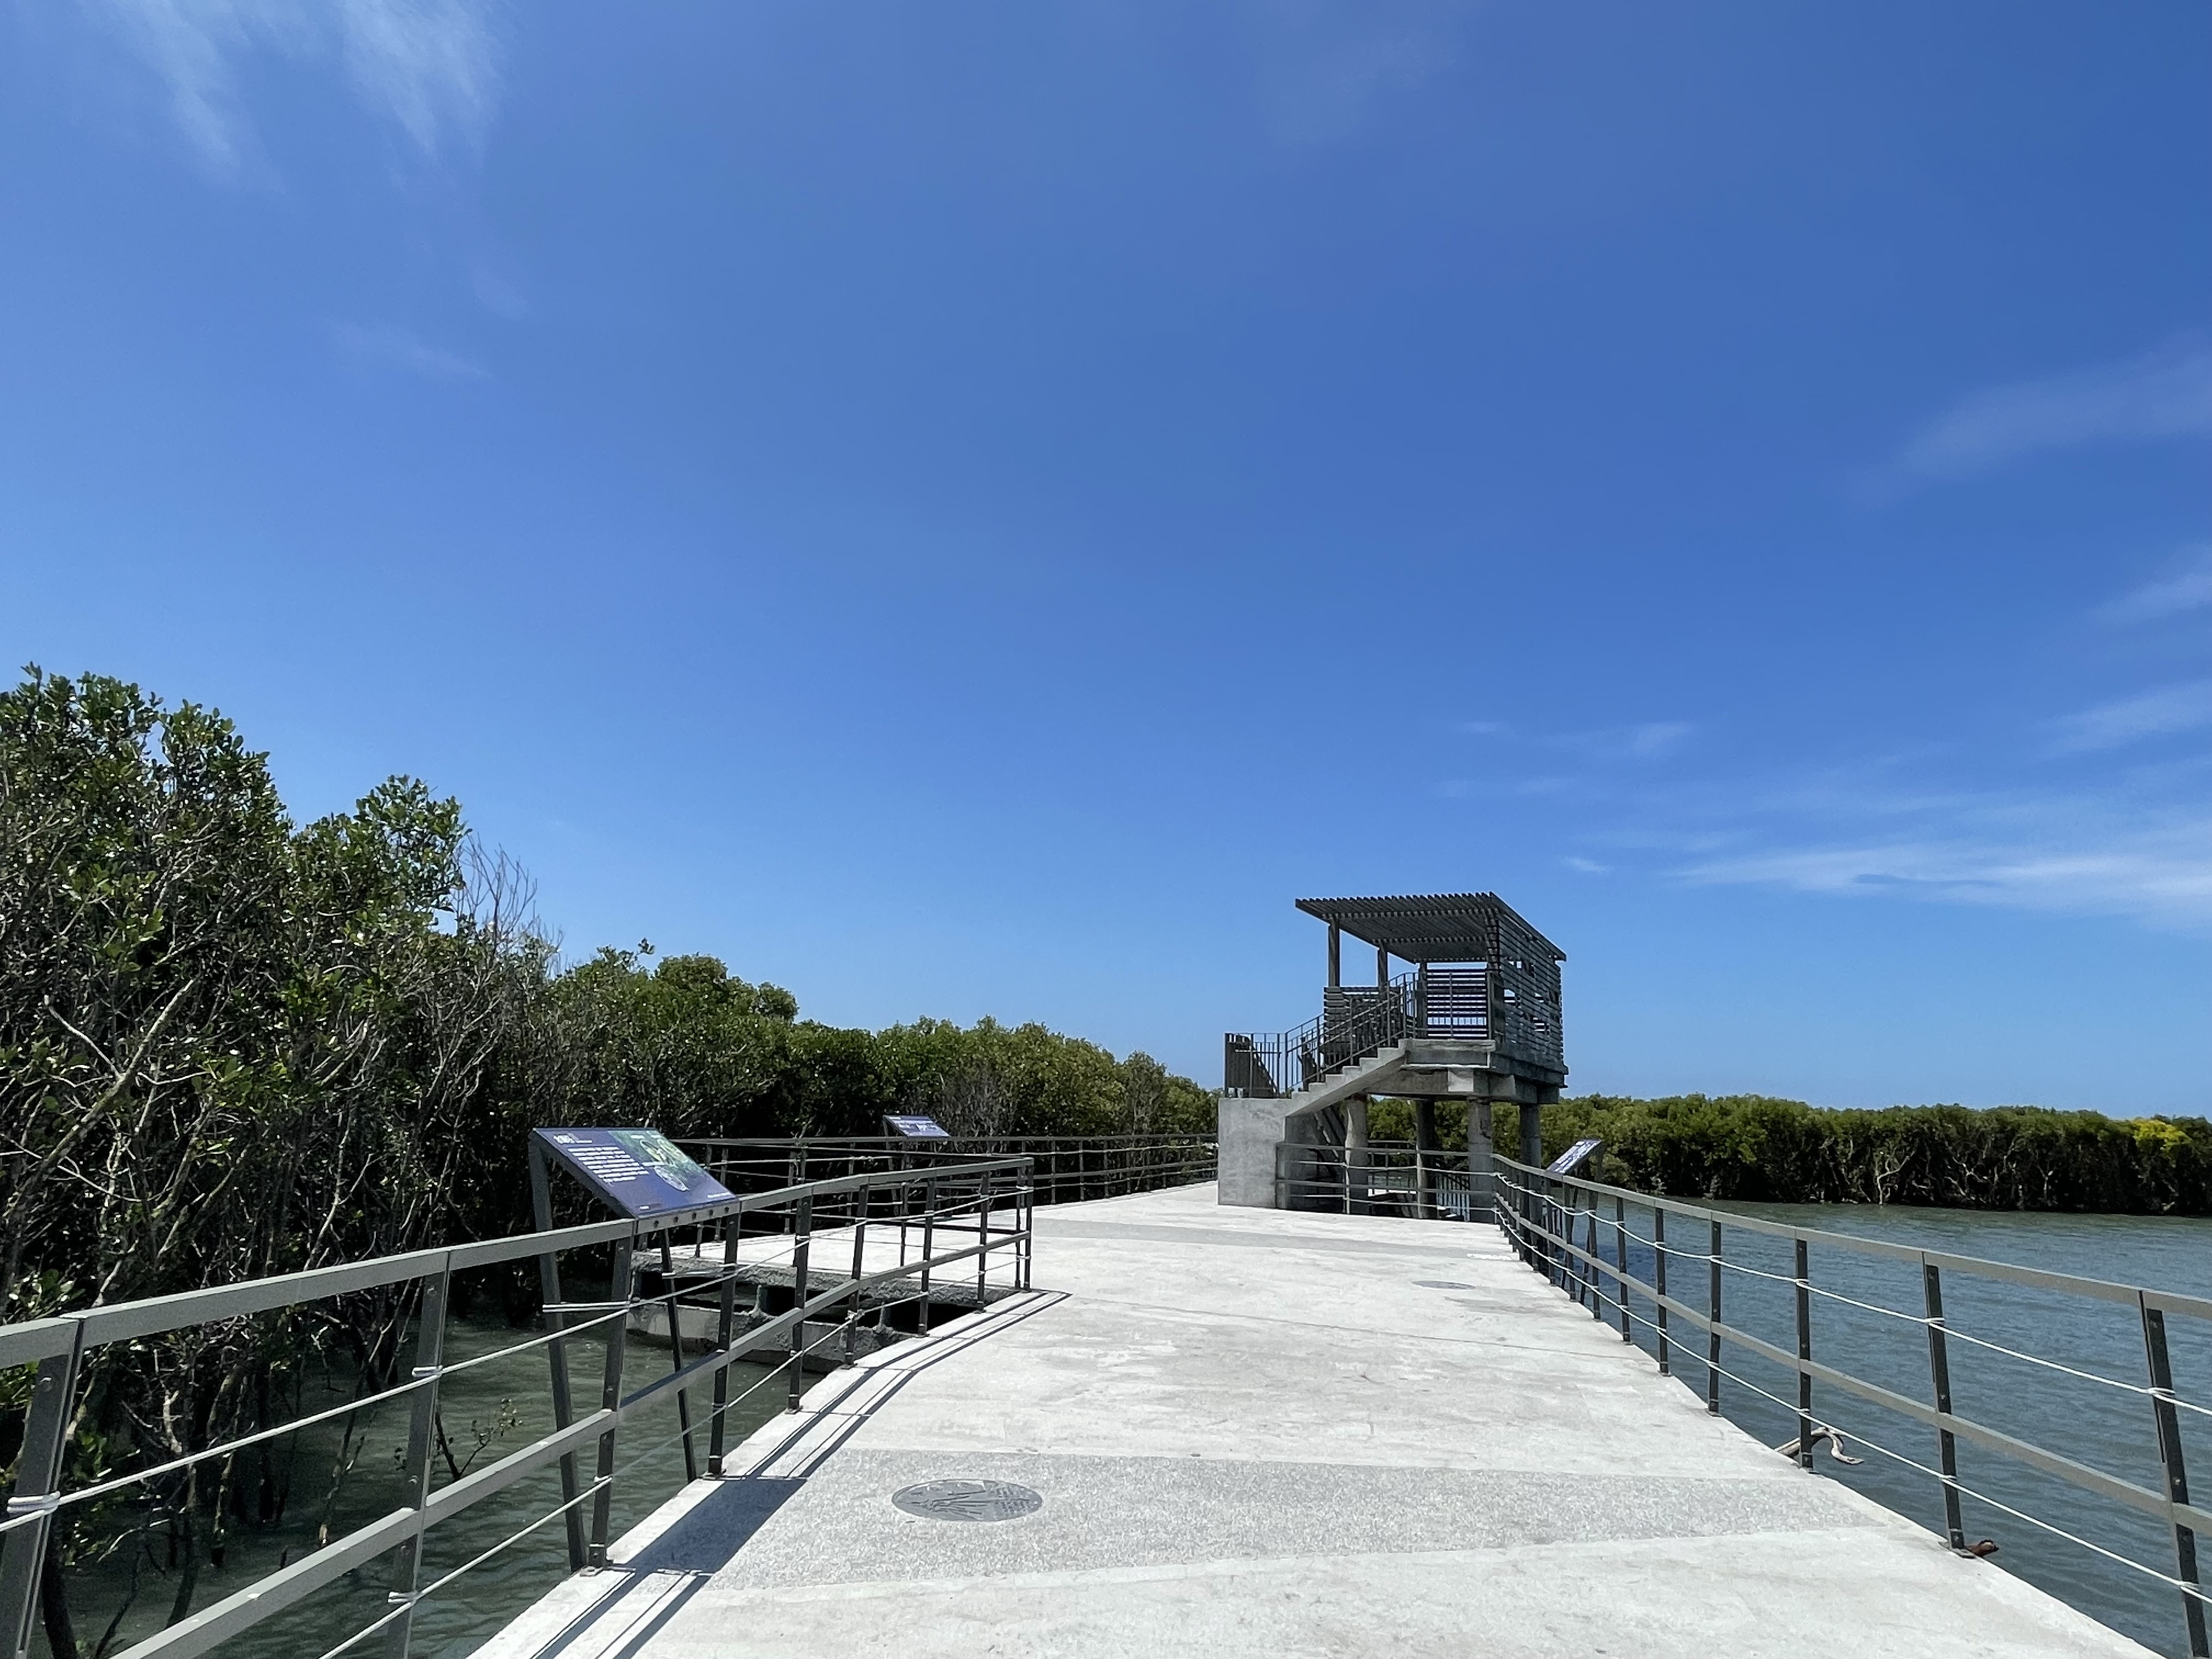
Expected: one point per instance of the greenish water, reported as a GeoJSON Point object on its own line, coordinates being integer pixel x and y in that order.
{"type": "Point", "coordinates": [2108, 1428]}
{"type": "Point", "coordinates": [504, 1405]}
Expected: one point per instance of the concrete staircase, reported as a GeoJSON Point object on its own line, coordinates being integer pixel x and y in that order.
{"type": "Point", "coordinates": [1365, 1076]}
{"type": "Point", "coordinates": [1251, 1129]}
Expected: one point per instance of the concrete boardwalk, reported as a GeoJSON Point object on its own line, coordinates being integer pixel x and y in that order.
{"type": "Point", "coordinates": [1265, 1433]}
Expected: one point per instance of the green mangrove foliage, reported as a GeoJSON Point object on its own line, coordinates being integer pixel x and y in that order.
{"type": "Point", "coordinates": [2003, 1158]}
{"type": "Point", "coordinates": [233, 1046]}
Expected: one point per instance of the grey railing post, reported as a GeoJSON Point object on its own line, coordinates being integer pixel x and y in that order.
{"type": "Point", "coordinates": [1939, 1375]}
{"type": "Point", "coordinates": [556, 1353]}
{"type": "Point", "coordinates": [803, 1232]}
{"type": "Point", "coordinates": [675, 1357]}
{"type": "Point", "coordinates": [1804, 1358]}
{"type": "Point", "coordinates": [928, 1246]}
{"type": "Point", "coordinates": [1659, 1281]}
{"type": "Point", "coordinates": [421, 1439]}
{"type": "Point", "coordinates": [1713, 1328]}
{"type": "Point", "coordinates": [859, 1261]}
{"type": "Point", "coordinates": [1620, 1258]}
{"type": "Point", "coordinates": [2176, 1476]}
{"type": "Point", "coordinates": [983, 1238]}
{"type": "Point", "coordinates": [621, 1292]}
{"type": "Point", "coordinates": [38, 1481]}
{"type": "Point", "coordinates": [1591, 1267]}
{"type": "Point", "coordinates": [726, 1318]}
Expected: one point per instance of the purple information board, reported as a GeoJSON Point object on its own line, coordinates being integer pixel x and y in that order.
{"type": "Point", "coordinates": [639, 1172]}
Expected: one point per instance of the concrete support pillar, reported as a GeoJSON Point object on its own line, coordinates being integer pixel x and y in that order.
{"type": "Point", "coordinates": [1481, 1172]}
{"type": "Point", "coordinates": [1355, 1155]}
{"type": "Point", "coordinates": [1425, 1145]}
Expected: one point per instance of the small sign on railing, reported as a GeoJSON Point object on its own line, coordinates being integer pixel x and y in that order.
{"type": "Point", "coordinates": [1569, 1161]}
{"type": "Point", "coordinates": [915, 1129]}
{"type": "Point", "coordinates": [638, 1172]}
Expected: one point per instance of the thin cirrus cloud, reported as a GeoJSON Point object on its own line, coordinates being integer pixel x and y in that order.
{"type": "Point", "coordinates": [429, 67]}
{"type": "Point", "coordinates": [2155, 870]}
{"type": "Point", "coordinates": [2164, 393]}
{"type": "Point", "coordinates": [1644, 741]}
{"type": "Point", "coordinates": [2168, 710]}
{"type": "Point", "coordinates": [2190, 588]}
{"type": "Point", "coordinates": [391, 346]}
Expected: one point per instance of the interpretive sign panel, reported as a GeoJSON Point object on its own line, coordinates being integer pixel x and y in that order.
{"type": "Point", "coordinates": [1566, 1162]}
{"type": "Point", "coordinates": [916, 1128]}
{"type": "Point", "coordinates": [639, 1172]}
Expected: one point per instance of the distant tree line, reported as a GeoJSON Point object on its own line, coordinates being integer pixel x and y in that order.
{"type": "Point", "coordinates": [1758, 1148]}
{"type": "Point", "coordinates": [1783, 1151]}
{"type": "Point", "coordinates": [1999, 1157]}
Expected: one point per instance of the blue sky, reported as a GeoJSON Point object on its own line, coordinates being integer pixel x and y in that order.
{"type": "Point", "coordinates": [974, 509]}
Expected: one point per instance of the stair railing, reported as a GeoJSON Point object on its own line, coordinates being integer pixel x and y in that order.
{"type": "Point", "coordinates": [1272, 1065]}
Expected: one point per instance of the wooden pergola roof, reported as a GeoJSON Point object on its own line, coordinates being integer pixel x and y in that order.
{"type": "Point", "coordinates": [1431, 927]}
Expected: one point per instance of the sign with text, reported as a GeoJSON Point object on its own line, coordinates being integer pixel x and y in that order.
{"type": "Point", "coordinates": [916, 1128]}
{"type": "Point", "coordinates": [1565, 1163]}
{"type": "Point", "coordinates": [639, 1172]}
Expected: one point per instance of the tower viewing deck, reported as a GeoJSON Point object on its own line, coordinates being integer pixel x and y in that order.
{"type": "Point", "coordinates": [1227, 1431]}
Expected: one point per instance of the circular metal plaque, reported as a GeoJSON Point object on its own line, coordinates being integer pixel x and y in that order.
{"type": "Point", "coordinates": [968, 1500]}
{"type": "Point", "coordinates": [1442, 1285]}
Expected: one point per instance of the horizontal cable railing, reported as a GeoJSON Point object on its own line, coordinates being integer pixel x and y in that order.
{"type": "Point", "coordinates": [1382, 1178]}
{"type": "Point", "coordinates": [879, 1243]}
{"type": "Point", "coordinates": [1359, 1022]}
{"type": "Point", "coordinates": [1065, 1168]}
{"type": "Point", "coordinates": [1614, 1250]}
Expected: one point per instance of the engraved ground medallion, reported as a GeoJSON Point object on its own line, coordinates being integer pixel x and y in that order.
{"type": "Point", "coordinates": [968, 1500]}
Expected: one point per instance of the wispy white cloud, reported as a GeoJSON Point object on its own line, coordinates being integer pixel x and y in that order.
{"type": "Point", "coordinates": [2158, 871]}
{"type": "Point", "coordinates": [1324, 66]}
{"type": "Point", "coordinates": [2164, 393]}
{"type": "Point", "coordinates": [1589, 866]}
{"type": "Point", "coordinates": [393, 346]}
{"type": "Point", "coordinates": [2171, 708]}
{"type": "Point", "coordinates": [2189, 588]}
{"type": "Point", "coordinates": [428, 66]}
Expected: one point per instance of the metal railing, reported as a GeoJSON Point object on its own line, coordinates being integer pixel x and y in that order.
{"type": "Point", "coordinates": [1427, 1183]}
{"type": "Point", "coordinates": [1065, 1168]}
{"type": "Point", "coordinates": [1582, 1235]}
{"type": "Point", "coordinates": [1271, 1065]}
{"type": "Point", "coordinates": [884, 1239]}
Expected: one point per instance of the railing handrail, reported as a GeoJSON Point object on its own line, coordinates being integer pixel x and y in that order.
{"type": "Point", "coordinates": [60, 1346]}
{"type": "Point", "coordinates": [902, 1143]}
{"type": "Point", "coordinates": [1540, 1212]}
{"type": "Point", "coordinates": [2106, 1290]}
{"type": "Point", "coordinates": [23, 1342]}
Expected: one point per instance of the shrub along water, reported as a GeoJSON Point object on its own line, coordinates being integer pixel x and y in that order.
{"type": "Point", "coordinates": [2000, 1158]}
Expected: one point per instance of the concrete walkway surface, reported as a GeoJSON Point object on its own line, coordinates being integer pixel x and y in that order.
{"type": "Point", "coordinates": [1261, 1432]}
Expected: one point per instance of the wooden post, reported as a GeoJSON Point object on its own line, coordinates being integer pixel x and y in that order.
{"type": "Point", "coordinates": [1335, 956]}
